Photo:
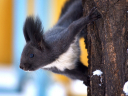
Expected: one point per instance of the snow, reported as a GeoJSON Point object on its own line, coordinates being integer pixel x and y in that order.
{"type": "Point", "coordinates": [28, 90]}
{"type": "Point", "coordinates": [125, 88]}
{"type": "Point", "coordinates": [57, 89]}
{"type": "Point", "coordinates": [98, 72]}
{"type": "Point", "coordinates": [78, 87]}
{"type": "Point", "coordinates": [8, 77]}
{"type": "Point", "coordinates": [9, 81]}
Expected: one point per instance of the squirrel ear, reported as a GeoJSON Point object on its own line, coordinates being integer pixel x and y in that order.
{"type": "Point", "coordinates": [33, 31]}
{"type": "Point", "coordinates": [25, 31]}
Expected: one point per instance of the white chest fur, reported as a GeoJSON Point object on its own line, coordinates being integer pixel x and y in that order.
{"type": "Point", "coordinates": [66, 60]}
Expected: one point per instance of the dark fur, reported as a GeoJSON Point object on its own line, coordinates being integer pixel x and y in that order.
{"type": "Point", "coordinates": [47, 47]}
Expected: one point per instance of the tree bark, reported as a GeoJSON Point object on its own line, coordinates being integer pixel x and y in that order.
{"type": "Point", "coordinates": [107, 44]}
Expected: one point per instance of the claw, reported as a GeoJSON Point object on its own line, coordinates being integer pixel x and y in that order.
{"type": "Point", "coordinates": [93, 9]}
{"type": "Point", "coordinates": [94, 14]}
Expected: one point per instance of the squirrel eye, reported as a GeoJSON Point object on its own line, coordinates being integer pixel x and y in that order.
{"type": "Point", "coordinates": [31, 55]}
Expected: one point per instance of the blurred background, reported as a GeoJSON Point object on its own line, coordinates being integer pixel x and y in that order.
{"type": "Point", "coordinates": [13, 80]}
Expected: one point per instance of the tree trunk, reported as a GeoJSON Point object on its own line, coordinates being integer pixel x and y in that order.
{"type": "Point", "coordinates": [107, 44]}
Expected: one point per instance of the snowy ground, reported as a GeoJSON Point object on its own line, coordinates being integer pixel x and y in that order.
{"type": "Point", "coordinates": [9, 80]}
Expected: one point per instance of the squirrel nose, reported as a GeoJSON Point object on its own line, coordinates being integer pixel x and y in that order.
{"type": "Point", "coordinates": [21, 67]}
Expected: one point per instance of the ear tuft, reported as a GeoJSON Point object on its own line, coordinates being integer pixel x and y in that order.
{"type": "Point", "coordinates": [33, 32]}
{"type": "Point", "coordinates": [33, 29]}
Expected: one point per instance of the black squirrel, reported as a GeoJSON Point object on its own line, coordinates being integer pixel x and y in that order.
{"type": "Point", "coordinates": [57, 50]}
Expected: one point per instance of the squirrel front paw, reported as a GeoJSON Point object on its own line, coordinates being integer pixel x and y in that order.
{"type": "Point", "coordinates": [94, 14]}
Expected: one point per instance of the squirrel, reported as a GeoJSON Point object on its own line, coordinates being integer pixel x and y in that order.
{"type": "Point", "coordinates": [57, 50]}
